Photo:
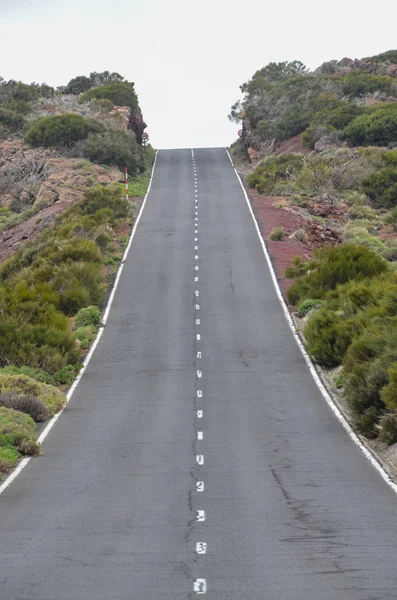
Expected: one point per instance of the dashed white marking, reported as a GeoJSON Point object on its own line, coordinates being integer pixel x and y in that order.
{"type": "Point", "coordinates": [200, 486]}
{"type": "Point", "coordinates": [199, 373]}
{"type": "Point", "coordinates": [200, 414]}
{"type": "Point", "coordinates": [200, 586]}
{"type": "Point", "coordinates": [197, 306]}
{"type": "Point", "coordinates": [197, 293]}
{"type": "Point", "coordinates": [196, 212]}
{"type": "Point", "coordinates": [198, 321]}
{"type": "Point", "coordinates": [199, 354]}
{"type": "Point", "coordinates": [196, 257]}
{"type": "Point", "coordinates": [201, 547]}
{"type": "Point", "coordinates": [51, 423]}
{"type": "Point", "coordinates": [196, 279]}
{"type": "Point", "coordinates": [198, 337]}
{"type": "Point", "coordinates": [196, 247]}
{"type": "Point", "coordinates": [196, 267]}
{"type": "Point", "coordinates": [196, 231]}
{"type": "Point", "coordinates": [199, 393]}
{"type": "Point", "coordinates": [200, 516]}
{"type": "Point", "coordinates": [200, 459]}
{"type": "Point", "coordinates": [200, 435]}
{"type": "Point", "coordinates": [196, 239]}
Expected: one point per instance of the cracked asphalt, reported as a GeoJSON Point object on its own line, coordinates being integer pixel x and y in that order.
{"type": "Point", "coordinates": [293, 510]}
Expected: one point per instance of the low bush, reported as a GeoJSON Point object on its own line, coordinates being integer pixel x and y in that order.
{"type": "Point", "coordinates": [300, 235]}
{"type": "Point", "coordinates": [17, 430]}
{"type": "Point", "coordinates": [308, 305]}
{"type": "Point", "coordinates": [67, 374]}
{"type": "Point", "coordinates": [37, 374]}
{"type": "Point", "coordinates": [333, 266]}
{"type": "Point", "coordinates": [121, 94]}
{"type": "Point", "coordinates": [27, 404]}
{"type": "Point", "coordinates": [328, 336]}
{"type": "Point", "coordinates": [22, 385]}
{"type": "Point", "coordinates": [378, 128]}
{"type": "Point", "coordinates": [359, 84]}
{"type": "Point", "coordinates": [86, 335]}
{"type": "Point", "coordinates": [113, 147]}
{"type": "Point", "coordinates": [60, 130]}
{"type": "Point", "coordinates": [389, 392]}
{"type": "Point", "coordinates": [381, 187]}
{"type": "Point", "coordinates": [273, 170]}
{"type": "Point", "coordinates": [11, 120]}
{"type": "Point", "coordinates": [277, 234]}
{"type": "Point", "coordinates": [88, 316]}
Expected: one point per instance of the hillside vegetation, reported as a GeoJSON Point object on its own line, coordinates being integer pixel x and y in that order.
{"type": "Point", "coordinates": [324, 144]}
{"type": "Point", "coordinates": [64, 224]}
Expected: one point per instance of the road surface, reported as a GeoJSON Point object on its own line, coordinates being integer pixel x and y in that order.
{"type": "Point", "coordinates": [197, 399]}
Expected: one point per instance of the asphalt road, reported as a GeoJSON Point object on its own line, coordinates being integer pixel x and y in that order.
{"type": "Point", "coordinates": [293, 510]}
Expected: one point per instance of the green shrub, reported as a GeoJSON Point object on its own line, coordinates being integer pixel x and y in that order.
{"type": "Point", "coordinates": [26, 404]}
{"type": "Point", "coordinates": [388, 429]}
{"type": "Point", "coordinates": [8, 457]}
{"type": "Point", "coordinates": [328, 336]}
{"type": "Point", "coordinates": [300, 235]}
{"type": "Point", "coordinates": [367, 422]}
{"type": "Point", "coordinates": [273, 170]}
{"type": "Point", "coordinates": [381, 187]}
{"type": "Point", "coordinates": [11, 120]}
{"type": "Point", "coordinates": [293, 121]}
{"type": "Point", "coordinates": [88, 316]}
{"type": "Point", "coordinates": [389, 392]}
{"type": "Point", "coordinates": [66, 375]}
{"type": "Point", "coordinates": [307, 305]}
{"type": "Point", "coordinates": [37, 374]}
{"type": "Point", "coordinates": [60, 130]}
{"type": "Point", "coordinates": [78, 85]}
{"type": "Point", "coordinates": [377, 128]}
{"type": "Point", "coordinates": [389, 55]}
{"type": "Point", "coordinates": [113, 147]}
{"type": "Point", "coordinates": [53, 398]}
{"type": "Point", "coordinates": [17, 429]}
{"type": "Point", "coordinates": [86, 335]}
{"type": "Point", "coordinates": [277, 234]}
{"type": "Point", "coordinates": [359, 84]}
{"type": "Point", "coordinates": [334, 266]}
{"type": "Point", "coordinates": [121, 94]}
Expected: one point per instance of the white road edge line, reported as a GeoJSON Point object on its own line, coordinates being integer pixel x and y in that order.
{"type": "Point", "coordinates": [51, 423]}
{"type": "Point", "coordinates": [375, 463]}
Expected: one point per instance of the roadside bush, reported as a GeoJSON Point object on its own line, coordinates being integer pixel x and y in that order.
{"type": "Point", "coordinates": [60, 130]}
{"type": "Point", "coordinates": [277, 234]}
{"type": "Point", "coordinates": [381, 187]}
{"type": "Point", "coordinates": [113, 147]}
{"type": "Point", "coordinates": [88, 316]}
{"type": "Point", "coordinates": [388, 429]}
{"type": "Point", "coordinates": [389, 392]}
{"type": "Point", "coordinates": [378, 128]}
{"type": "Point", "coordinates": [67, 374]}
{"type": "Point", "coordinates": [86, 335]}
{"type": "Point", "coordinates": [293, 121]}
{"type": "Point", "coordinates": [307, 305]}
{"type": "Point", "coordinates": [37, 374]}
{"type": "Point", "coordinates": [328, 336]}
{"type": "Point", "coordinates": [333, 266]}
{"type": "Point", "coordinates": [272, 170]}
{"type": "Point", "coordinates": [300, 235]}
{"type": "Point", "coordinates": [17, 429]}
{"type": "Point", "coordinates": [27, 404]}
{"type": "Point", "coordinates": [49, 395]}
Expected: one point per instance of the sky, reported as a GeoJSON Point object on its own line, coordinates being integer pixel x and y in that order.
{"type": "Point", "coordinates": [187, 58]}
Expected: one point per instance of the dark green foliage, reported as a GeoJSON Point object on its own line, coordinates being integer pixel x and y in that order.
{"type": "Point", "coordinates": [11, 120]}
{"type": "Point", "coordinates": [27, 404]}
{"type": "Point", "coordinates": [377, 128]}
{"type": "Point", "coordinates": [334, 266]}
{"type": "Point", "coordinates": [121, 94]}
{"type": "Point", "coordinates": [113, 147]}
{"type": "Point", "coordinates": [328, 337]}
{"type": "Point", "coordinates": [272, 170]}
{"type": "Point", "coordinates": [78, 85]}
{"type": "Point", "coordinates": [390, 55]}
{"type": "Point", "coordinates": [60, 130]}
{"type": "Point", "coordinates": [389, 392]}
{"type": "Point", "coordinates": [358, 84]}
{"type": "Point", "coordinates": [293, 121]}
{"type": "Point", "coordinates": [277, 234]}
{"type": "Point", "coordinates": [381, 187]}
{"type": "Point", "coordinates": [67, 374]}
{"type": "Point", "coordinates": [340, 116]}
{"type": "Point", "coordinates": [307, 305]}
{"type": "Point", "coordinates": [86, 335]}
{"type": "Point", "coordinates": [88, 316]}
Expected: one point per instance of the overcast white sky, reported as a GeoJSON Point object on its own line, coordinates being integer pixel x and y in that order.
{"type": "Point", "coordinates": [187, 58]}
